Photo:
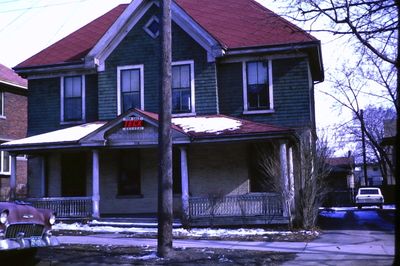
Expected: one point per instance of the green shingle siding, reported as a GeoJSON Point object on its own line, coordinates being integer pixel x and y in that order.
{"type": "Point", "coordinates": [291, 92]}
{"type": "Point", "coordinates": [91, 98]}
{"type": "Point", "coordinates": [43, 105]}
{"type": "Point", "coordinates": [138, 48]}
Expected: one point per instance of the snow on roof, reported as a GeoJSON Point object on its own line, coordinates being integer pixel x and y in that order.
{"type": "Point", "coordinates": [70, 134]}
{"type": "Point", "coordinates": [215, 125]}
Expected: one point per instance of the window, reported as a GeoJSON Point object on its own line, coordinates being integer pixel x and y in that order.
{"type": "Point", "coordinates": [2, 104]}
{"type": "Point", "coordinates": [130, 88]}
{"type": "Point", "coordinates": [152, 27]}
{"type": "Point", "coordinates": [129, 175]}
{"type": "Point", "coordinates": [183, 87]}
{"type": "Point", "coordinates": [5, 163]}
{"type": "Point", "coordinates": [72, 99]}
{"type": "Point", "coordinates": [257, 84]}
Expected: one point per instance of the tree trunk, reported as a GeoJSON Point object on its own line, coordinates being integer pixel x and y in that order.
{"type": "Point", "coordinates": [165, 200]}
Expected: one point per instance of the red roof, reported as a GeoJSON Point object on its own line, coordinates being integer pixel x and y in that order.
{"type": "Point", "coordinates": [9, 76]}
{"type": "Point", "coordinates": [233, 23]}
{"type": "Point", "coordinates": [245, 127]}
{"type": "Point", "coordinates": [243, 23]}
{"type": "Point", "coordinates": [77, 45]}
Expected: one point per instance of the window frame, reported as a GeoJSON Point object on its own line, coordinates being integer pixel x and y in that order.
{"type": "Point", "coordinates": [192, 87]}
{"type": "Point", "coordinates": [62, 101]}
{"type": "Point", "coordinates": [2, 172]}
{"type": "Point", "coordinates": [2, 104]}
{"type": "Point", "coordinates": [270, 88]}
{"type": "Point", "coordinates": [141, 83]}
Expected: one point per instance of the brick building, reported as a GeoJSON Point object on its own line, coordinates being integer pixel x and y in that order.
{"type": "Point", "coordinates": [13, 125]}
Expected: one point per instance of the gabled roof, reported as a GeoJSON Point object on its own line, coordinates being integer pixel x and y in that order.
{"type": "Point", "coordinates": [9, 77]}
{"type": "Point", "coordinates": [234, 24]}
{"type": "Point", "coordinates": [74, 47]}
{"type": "Point", "coordinates": [243, 23]}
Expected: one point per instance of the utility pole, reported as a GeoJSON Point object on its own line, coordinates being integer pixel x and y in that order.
{"type": "Point", "coordinates": [165, 199]}
{"type": "Point", "coordinates": [363, 147]}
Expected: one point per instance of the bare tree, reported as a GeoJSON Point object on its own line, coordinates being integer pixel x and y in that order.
{"type": "Point", "coordinates": [374, 25]}
{"type": "Point", "coordinates": [165, 200]}
{"type": "Point", "coordinates": [312, 172]}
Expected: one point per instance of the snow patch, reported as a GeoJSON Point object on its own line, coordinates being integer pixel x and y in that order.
{"type": "Point", "coordinates": [63, 135]}
{"type": "Point", "coordinates": [207, 124]}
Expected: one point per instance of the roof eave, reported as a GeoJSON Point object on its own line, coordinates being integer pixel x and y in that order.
{"type": "Point", "coordinates": [313, 48]}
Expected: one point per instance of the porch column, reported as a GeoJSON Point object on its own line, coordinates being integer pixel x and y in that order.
{"type": "Point", "coordinates": [185, 184]}
{"type": "Point", "coordinates": [95, 184]}
{"type": "Point", "coordinates": [13, 176]}
{"type": "Point", "coordinates": [284, 176]}
{"type": "Point", "coordinates": [42, 176]}
{"type": "Point", "coordinates": [291, 179]}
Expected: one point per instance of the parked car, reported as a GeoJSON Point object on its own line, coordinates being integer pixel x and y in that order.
{"type": "Point", "coordinates": [25, 227]}
{"type": "Point", "coordinates": [369, 196]}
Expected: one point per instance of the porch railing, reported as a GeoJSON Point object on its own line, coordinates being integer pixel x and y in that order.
{"type": "Point", "coordinates": [65, 207]}
{"type": "Point", "coordinates": [252, 204]}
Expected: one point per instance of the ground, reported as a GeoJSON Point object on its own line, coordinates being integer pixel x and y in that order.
{"type": "Point", "coordinates": [77, 254]}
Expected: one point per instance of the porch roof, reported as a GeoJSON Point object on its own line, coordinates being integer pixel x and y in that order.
{"type": "Point", "coordinates": [66, 136]}
{"type": "Point", "coordinates": [205, 128]}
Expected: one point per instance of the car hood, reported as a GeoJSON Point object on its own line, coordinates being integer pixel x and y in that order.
{"type": "Point", "coordinates": [18, 213]}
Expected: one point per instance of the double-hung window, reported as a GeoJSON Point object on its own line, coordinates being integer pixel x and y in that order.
{"type": "Point", "coordinates": [4, 163]}
{"type": "Point", "coordinates": [2, 104]}
{"type": "Point", "coordinates": [183, 87]}
{"type": "Point", "coordinates": [72, 98]}
{"type": "Point", "coordinates": [130, 88]}
{"type": "Point", "coordinates": [257, 85]}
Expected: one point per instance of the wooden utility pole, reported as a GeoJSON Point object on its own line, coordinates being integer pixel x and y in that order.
{"type": "Point", "coordinates": [364, 153]}
{"type": "Point", "coordinates": [165, 200]}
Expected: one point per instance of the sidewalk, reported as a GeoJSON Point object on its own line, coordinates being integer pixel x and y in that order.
{"type": "Point", "coordinates": [344, 247]}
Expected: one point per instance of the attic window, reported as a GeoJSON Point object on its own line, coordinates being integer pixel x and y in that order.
{"type": "Point", "coordinates": [152, 27]}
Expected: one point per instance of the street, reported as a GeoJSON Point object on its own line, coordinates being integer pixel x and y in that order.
{"type": "Point", "coordinates": [349, 237]}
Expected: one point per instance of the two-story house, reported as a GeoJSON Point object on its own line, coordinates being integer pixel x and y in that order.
{"type": "Point", "coordinates": [242, 78]}
{"type": "Point", "coordinates": [13, 125]}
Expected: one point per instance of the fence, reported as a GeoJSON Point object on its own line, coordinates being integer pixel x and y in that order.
{"type": "Point", "coordinates": [73, 207]}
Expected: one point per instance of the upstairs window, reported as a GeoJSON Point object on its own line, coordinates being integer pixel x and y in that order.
{"type": "Point", "coordinates": [72, 99]}
{"type": "Point", "coordinates": [2, 104]}
{"type": "Point", "coordinates": [4, 163]}
{"type": "Point", "coordinates": [130, 88]}
{"type": "Point", "coordinates": [183, 87]}
{"type": "Point", "coordinates": [257, 85]}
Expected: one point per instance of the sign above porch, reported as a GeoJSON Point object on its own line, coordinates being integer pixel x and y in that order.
{"type": "Point", "coordinates": [133, 128]}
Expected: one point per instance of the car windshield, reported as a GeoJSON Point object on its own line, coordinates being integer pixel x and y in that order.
{"type": "Point", "coordinates": [369, 191]}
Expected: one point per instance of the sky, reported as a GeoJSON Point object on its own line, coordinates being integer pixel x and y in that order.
{"type": "Point", "coordinates": [29, 26]}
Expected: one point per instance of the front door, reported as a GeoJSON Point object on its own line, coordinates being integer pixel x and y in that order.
{"type": "Point", "coordinates": [73, 174]}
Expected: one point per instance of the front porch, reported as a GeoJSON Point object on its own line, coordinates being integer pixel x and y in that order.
{"type": "Point", "coordinates": [250, 208]}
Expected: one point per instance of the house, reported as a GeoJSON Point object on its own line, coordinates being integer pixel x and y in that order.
{"type": "Point", "coordinates": [242, 78]}
{"type": "Point", "coordinates": [13, 125]}
{"type": "Point", "coordinates": [341, 181]}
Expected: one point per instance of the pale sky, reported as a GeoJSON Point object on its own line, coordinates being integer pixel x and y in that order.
{"type": "Point", "coordinates": [29, 26]}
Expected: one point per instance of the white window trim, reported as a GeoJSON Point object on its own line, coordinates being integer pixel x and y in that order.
{"type": "Point", "coordinates": [148, 31]}
{"type": "Point", "coordinates": [2, 115]}
{"type": "Point", "coordinates": [192, 87]}
{"type": "Point", "coordinates": [1, 164]}
{"type": "Point", "coordinates": [271, 90]}
{"type": "Point", "coordinates": [83, 80]}
{"type": "Point", "coordinates": [119, 69]}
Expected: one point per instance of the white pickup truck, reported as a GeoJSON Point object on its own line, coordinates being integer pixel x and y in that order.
{"type": "Point", "coordinates": [369, 196]}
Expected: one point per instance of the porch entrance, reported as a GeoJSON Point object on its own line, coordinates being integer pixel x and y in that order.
{"type": "Point", "coordinates": [73, 174]}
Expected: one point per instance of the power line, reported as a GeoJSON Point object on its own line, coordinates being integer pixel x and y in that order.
{"type": "Point", "coordinates": [37, 7]}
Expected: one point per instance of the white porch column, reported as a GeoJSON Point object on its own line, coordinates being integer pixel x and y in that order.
{"type": "Point", "coordinates": [95, 184]}
{"type": "Point", "coordinates": [291, 179]}
{"type": "Point", "coordinates": [13, 176]}
{"type": "Point", "coordinates": [185, 184]}
{"type": "Point", "coordinates": [284, 176]}
{"type": "Point", "coordinates": [43, 176]}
